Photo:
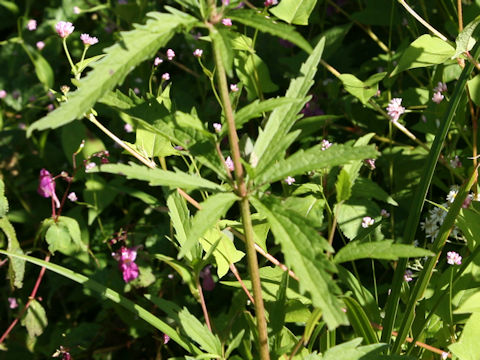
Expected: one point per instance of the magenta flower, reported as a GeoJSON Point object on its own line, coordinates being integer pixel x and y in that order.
{"type": "Point", "coordinates": [88, 40]}
{"type": "Point", "coordinates": [270, 2]}
{"type": "Point", "coordinates": [72, 197]}
{"type": "Point", "coordinates": [40, 45]}
{"type": "Point", "coordinates": [437, 97]}
{"type": "Point", "coordinates": [32, 25]}
{"type": "Point", "coordinates": [126, 257]}
{"type": "Point", "coordinates": [170, 54]}
{"type": "Point", "coordinates": [46, 186]}
{"type": "Point", "coordinates": [166, 338]}
{"type": "Point", "coordinates": [454, 258]}
{"type": "Point", "coordinates": [229, 163]}
{"type": "Point", "coordinates": [64, 28]}
{"type": "Point", "coordinates": [225, 2]}
{"type": "Point", "coordinates": [227, 22]}
{"type": "Point", "coordinates": [12, 303]}
{"type": "Point", "coordinates": [370, 163]}
{"type": "Point", "coordinates": [3, 94]}
{"type": "Point", "coordinates": [395, 109]}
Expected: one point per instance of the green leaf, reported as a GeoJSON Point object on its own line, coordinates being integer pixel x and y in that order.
{"type": "Point", "coordinates": [225, 252]}
{"type": "Point", "coordinates": [464, 40]}
{"type": "Point", "coordinates": [185, 273]}
{"type": "Point", "coordinates": [471, 305]}
{"type": "Point", "coordinates": [254, 75]}
{"type": "Point", "coordinates": [294, 11]}
{"type": "Point", "coordinates": [211, 210]}
{"type": "Point", "coordinates": [343, 186]}
{"type": "Point", "coordinates": [467, 347]}
{"type": "Point", "coordinates": [16, 267]}
{"type": "Point", "coordinates": [35, 319]}
{"type": "Point", "coordinates": [112, 295]}
{"type": "Point", "coordinates": [234, 343]}
{"type": "Point", "coordinates": [200, 333]}
{"type": "Point", "coordinates": [469, 223]}
{"type": "Point", "coordinates": [352, 350]}
{"type": "Point", "coordinates": [179, 215]}
{"type": "Point", "coordinates": [362, 90]}
{"type": "Point", "coordinates": [333, 38]}
{"type": "Point", "coordinates": [315, 158]}
{"type": "Point", "coordinates": [64, 236]}
{"type": "Point", "coordinates": [474, 88]}
{"type": "Point", "coordinates": [386, 250]}
{"type": "Point", "coordinates": [81, 65]}
{"type": "Point", "coordinates": [299, 243]}
{"type": "Point", "coordinates": [158, 177]}
{"type": "Point", "coordinates": [151, 144]}
{"type": "Point", "coordinates": [283, 117]}
{"type": "Point", "coordinates": [136, 46]}
{"type": "Point", "coordinates": [264, 24]}
{"type": "Point", "coordinates": [359, 321]}
{"type": "Point", "coordinates": [10, 5]}
{"type": "Point", "coordinates": [3, 200]}
{"type": "Point", "coordinates": [427, 50]}
{"type": "Point", "coordinates": [366, 188]}
{"type": "Point", "coordinates": [99, 195]}
{"type": "Point", "coordinates": [43, 70]}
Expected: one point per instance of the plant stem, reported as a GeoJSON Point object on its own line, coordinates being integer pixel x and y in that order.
{"type": "Point", "coordinates": [204, 305]}
{"type": "Point", "coordinates": [423, 22]}
{"type": "Point", "coordinates": [74, 68]}
{"type": "Point", "coordinates": [244, 202]}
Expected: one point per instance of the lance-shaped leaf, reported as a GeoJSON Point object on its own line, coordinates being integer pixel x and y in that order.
{"type": "Point", "coordinates": [158, 177]}
{"type": "Point", "coordinates": [200, 333]}
{"type": "Point", "coordinates": [294, 11]}
{"type": "Point", "coordinates": [283, 117]}
{"type": "Point", "coordinates": [315, 158]}
{"type": "Point", "coordinates": [265, 24]}
{"type": "Point", "coordinates": [299, 242]}
{"type": "Point", "coordinates": [211, 210]}
{"type": "Point", "coordinates": [135, 46]}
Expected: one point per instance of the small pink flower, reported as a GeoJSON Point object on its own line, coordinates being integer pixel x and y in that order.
{"type": "Point", "coordinates": [46, 186]}
{"type": "Point", "coordinates": [88, 40]}
{"type": "Point", "coordinates": [227, 22]}
{"type": "Point", "coordinates": [234, 87]}
{"type": "Point", "coordinates": [12, 303]}
{"type": "Point", "coordinates": [455, 162]}
{"type": "Point", "coordinates": [128, 128]}
{"type": "Point", "coordinates": [3, 94]}
{"type": "Point", "coordinates": [166, 77]}
{"type": "Point", "coordinates": [441, 87]}
{"type": "Point", "coordinates": [444, 355]}
{"type": "Point", "coordinates": [229, 163]}
{"type": "Point", "coordinates": [270, 2]}
{"type": "Point", "coordinates": [325, 144]}
{"type": "Point", "coordinates": [64, 29]}
{"type": "Point", "coordinates": [370, 163]}
{"type": "Point", "coordinates": [166, 338]}
{"type": "Point", "coordinates": [454, 258]}
{"type": "Point", "coordinates": [76, 10]}
{"type": "Point", "coordinates": [90, 165]}
{"type": "Point", "coordinates": [157, 61]}
{"type": "Point", "coordinates": [437, 97]}
{"type": "Point", "coordinates": [72, 197]}
{"type": "Point", "coordinates": [290, 180]}
{"type": "Point", "coordinates": [126, 262]}
{"type": "Point", "coordinates": [217, 127]}
{"type": "Point", "coordinates": [395, 109]}
{"type": "Point", "coordinates": [408, 276]}
{"type": "Point", "coordinates": [170, 54]}
{"type": "Point", "coordinates": [40, 45]}
{"type": "Point", "coordinates": [50, 107]}
{"type": "Point", "coordinates": [32, 25]}
{"type": "Point", "coordinates": [198, 53]}
{"type": "Point", "coordinates": [225, 2]}
{"type": "Point", "coordinates": [367, 221]}
{"type": "Point", "coordinates": [384, 213]}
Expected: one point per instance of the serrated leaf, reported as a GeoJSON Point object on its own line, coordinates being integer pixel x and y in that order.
{"type": "Point", "coordinates": [16, 267]}
{"type": "Point", "coordinates": [211, 210]}
{"type": "Point", "coordinates": [158, 177]}
{"type": "Point", "coordinates": [343, 186]}
{"type": "Point", "coordinates": [467, 347]}
{"type": "Point", "coordinates": [314, 159]}
{"type": "Point", "coordinates": [35, 319]}
{"type": "Point", "coordinates": [283, 117]}
{"type": "Point", "coordinates": [427, 50]}
{"type": "Point", "coordinates": [264, 24]}
{"type": "Point", "coordinates": [294, 11]}
{"type": "Point", "coordinates": [136, 46]}
{"type": "Point", "coordinates": [225, 252]}
{"type": "Point", "coordinates": [200, 333]}
{"type": "Point", "coordinates": [385, 250]}
{"type": "Point", "coordinates": [298, 239]}
{"type": "Point", "coordinates": [464, 40]}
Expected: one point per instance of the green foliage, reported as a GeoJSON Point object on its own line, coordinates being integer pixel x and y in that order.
{"type": "Point", "coordinates": [466, 347]}
{"type": "Point", "coordinates": [363, 90]}
{"type": "Point", "coordinates": [464, 41]}
{"type": "Point", "coordinates": [294, 12]}
{"type": "Point", "coordinates": [35, 319]}
{"type": "Point", "coordinates": [199, 333]}
{"type": "Point", "coordinates": [63, 235]}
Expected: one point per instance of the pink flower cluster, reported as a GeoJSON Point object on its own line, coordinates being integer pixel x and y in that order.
{"type": "Point", "coordinates": [437, 92]}
{"type": "Point", "coordinates": [126, 262]}
{"type": "Point", "coordinates": [454, 258]}
{"type": "Point", "coordinates": [64, 29]}
{"type": "Point", "coordinates": [88, 40]}
{"type": "Point", "coordinates": [395, 109]}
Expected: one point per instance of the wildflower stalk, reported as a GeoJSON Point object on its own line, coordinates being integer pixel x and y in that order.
{"type": "Point", "coordinates": [74, 68]}
{"type": "Point", "coordinates": [422, 21]}
{"type": "Point", "coordinates": [241, 190]}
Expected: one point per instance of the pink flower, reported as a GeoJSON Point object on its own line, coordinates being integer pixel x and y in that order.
{"type": "Point", "coordinates": [166, 338]}
{"type": "Point", "coordinates": [455, 162]}
{"type": "Point", "coordinates": [367, 221]}
{"type": "Point", "coordinates": [234, 87]}
{"type": "Point", "coordinates": [32, 25]}
{"type": "Point", "coordinates": [90, 165]}
{"type": "Point", "coordinates": [157, 61]}
{"type": "Point", "coordinates": [40, 45]}
{"type": "Point", "coordinates": [408, 276]}
{"type": "Point", "coordinates": [437, 97]}
{"type": "Point", "coordinates": [126, 257]}
{"type": "Point", "coordinates": [12, 303]}
{"type": "Point", "coordinates": [208, 284]}
{"type": "Point", "coordinates": [395, 109]}
{"type": "Point", "coordinates": [270, 2]}
{"type": "Point", "coordinates": [290, 180]}
{"type": "Point", "coordinates": [76, 10]}
{"type": "Point", "coordinates": [384, 213]}
{"type": "Point", "coordinates": [170, 54]}
{"type": "Point", "coordinates": [227, 22]}
{"type": "Point", "coordinates": [229, 163]}
{"type": "Point", "coordinates": [217, 127]}
{"type": "Point", "coordinates": [166, 76]}
{"type": "Point", "coordinates": [325, 144]}
{"type": "Point", "coordinates": [64, 28]}
{"type": "Point", "coordinates": [198, 53]}
{"type": "Point", "coordinates": [72, 197]}
{"type": "Point", "coordinates": [370, 163]}
{"type": "Point", "coordinates": [454, 258]}
{"type": "Point", "coordinates": [46, 186]}
{"type": "Point", "coordinates": [225, 2]}
{"type": "Point", "coordinates": [441, 87]}
{"type": "Point", "coordinates": [128, 128]}
{"type": "Point", "coordinates": [3, 94]}
{"type": "Point", "coordinates": [88, 40]}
